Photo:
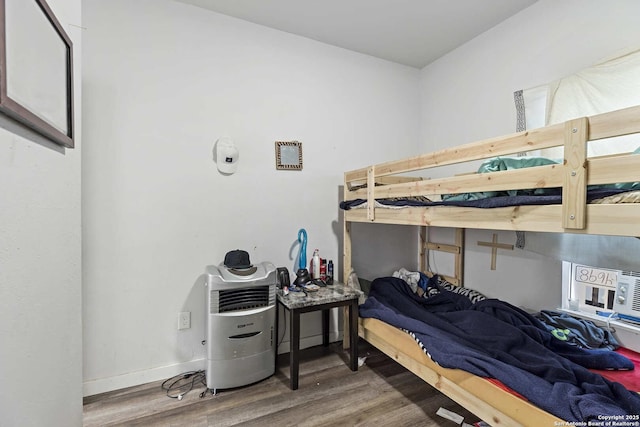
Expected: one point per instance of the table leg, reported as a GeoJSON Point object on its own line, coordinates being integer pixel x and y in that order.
{"type": "Point", "coordinates": [325, 327]}
{"type": "Point", "coordinates": [294, 342]}
{"type": "Point", "coordinates": [346, 334]}
{"type": "Point", "coordinates": [353, 339]}
{"type": "Point", "coordinates": [276, 335]}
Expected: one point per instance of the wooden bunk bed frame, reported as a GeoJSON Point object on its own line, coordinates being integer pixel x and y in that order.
{"type": "Point", "coordinates": [482, 397]}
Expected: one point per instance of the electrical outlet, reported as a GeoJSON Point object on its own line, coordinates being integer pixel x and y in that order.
{"type": "Point", "coordinates": [184, 320]}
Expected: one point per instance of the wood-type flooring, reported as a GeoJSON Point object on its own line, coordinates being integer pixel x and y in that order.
{"type": "Point", "coordinates": [382, 393]}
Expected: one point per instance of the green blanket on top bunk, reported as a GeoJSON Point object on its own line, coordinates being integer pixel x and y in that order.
{"type": "Point", "coordinates": [509, 163]}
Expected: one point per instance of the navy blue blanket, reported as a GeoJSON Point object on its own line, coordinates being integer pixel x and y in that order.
{"type": "Point", "coordinates": [494, 339]}
{"type": "Point", "coordinates": [555, 198]}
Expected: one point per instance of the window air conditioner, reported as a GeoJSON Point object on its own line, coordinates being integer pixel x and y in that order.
{"type": "Point", "coordinates": [627, 298]}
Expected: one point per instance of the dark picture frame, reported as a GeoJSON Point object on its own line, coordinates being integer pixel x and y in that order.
{"type": "Point", "coordinates": [36, 70]}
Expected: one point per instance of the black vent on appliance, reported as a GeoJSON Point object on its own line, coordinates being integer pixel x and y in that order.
{"type": "Point", "coordinates": [243, 299]}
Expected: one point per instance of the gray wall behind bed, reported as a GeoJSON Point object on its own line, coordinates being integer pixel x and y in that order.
{"type": "Point", "coordinates": [620, 253]}
{"type": "Point", "coordinates": [380, 249]}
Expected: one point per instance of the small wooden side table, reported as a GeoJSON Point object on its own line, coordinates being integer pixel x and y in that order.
{"type": "Point", "coordinates": [326, 298]}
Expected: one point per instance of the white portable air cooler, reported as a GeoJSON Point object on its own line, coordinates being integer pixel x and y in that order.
{"type": "Point", "coordinates": [241, 311]}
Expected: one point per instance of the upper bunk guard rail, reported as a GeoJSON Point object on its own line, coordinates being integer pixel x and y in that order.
{"type": "Point", "coordinates": [573, 176]}
{"type": "Point", "coordinates": [605, 125]}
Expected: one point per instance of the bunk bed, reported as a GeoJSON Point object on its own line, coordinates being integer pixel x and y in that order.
{"type": "Point", "coordinates": [400, 192]}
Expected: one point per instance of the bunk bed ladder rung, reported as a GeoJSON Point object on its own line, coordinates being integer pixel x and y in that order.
{"type": "Point", "coordinates": [456, 249]}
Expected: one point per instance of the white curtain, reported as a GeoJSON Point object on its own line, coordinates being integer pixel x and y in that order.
{"type": "Point", "coordinates": [531, 106]}
{"type": "Point", "coordinates": [610, 85]}
{"type": "Point", "coordinates": [535, 106]}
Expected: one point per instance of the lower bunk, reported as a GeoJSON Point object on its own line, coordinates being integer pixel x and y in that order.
{"type": "Point", "coordinates": [484, 398]}
{"type": "Point", "coordinates": [596, 399]}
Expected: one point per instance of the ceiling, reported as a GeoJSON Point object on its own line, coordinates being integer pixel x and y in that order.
{"type": "Point", "coordinates": [409, 32]}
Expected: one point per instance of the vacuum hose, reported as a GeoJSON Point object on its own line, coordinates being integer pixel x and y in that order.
{"type": "Point", "coordinates": [302, 256]}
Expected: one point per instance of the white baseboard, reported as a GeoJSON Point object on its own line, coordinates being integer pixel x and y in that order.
{"type": "Point", "coordinates": [104, 385]}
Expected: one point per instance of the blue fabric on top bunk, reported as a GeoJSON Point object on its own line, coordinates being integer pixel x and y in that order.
{"type": "Point", "coordinates": [492, 338]}
{"type": "Point", "coordinates": [489, 202]}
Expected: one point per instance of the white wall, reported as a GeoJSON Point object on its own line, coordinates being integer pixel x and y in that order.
{"type": "Point", "coordinates": [468, 95]}
{"type": "Point", "coordinates": [40, 266]}
{"type": "Point", "coordinates": [164, 80]}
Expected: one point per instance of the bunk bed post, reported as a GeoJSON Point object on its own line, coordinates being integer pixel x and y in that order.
{"type": "Point", "coordinates": [459, 257]}
{"type": "Point", "coordinates": [346, 256]}
{"type": "Point", "coordinates": [346, 234]}
{"type": "Point", "coordinates": [371, 183]}
{"type": "Point", "coordinates": [346, 268]}
{"type": "Point", "coordinates": [423, 249]}
{"type": "Point", "coordinates": [574, 189]}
